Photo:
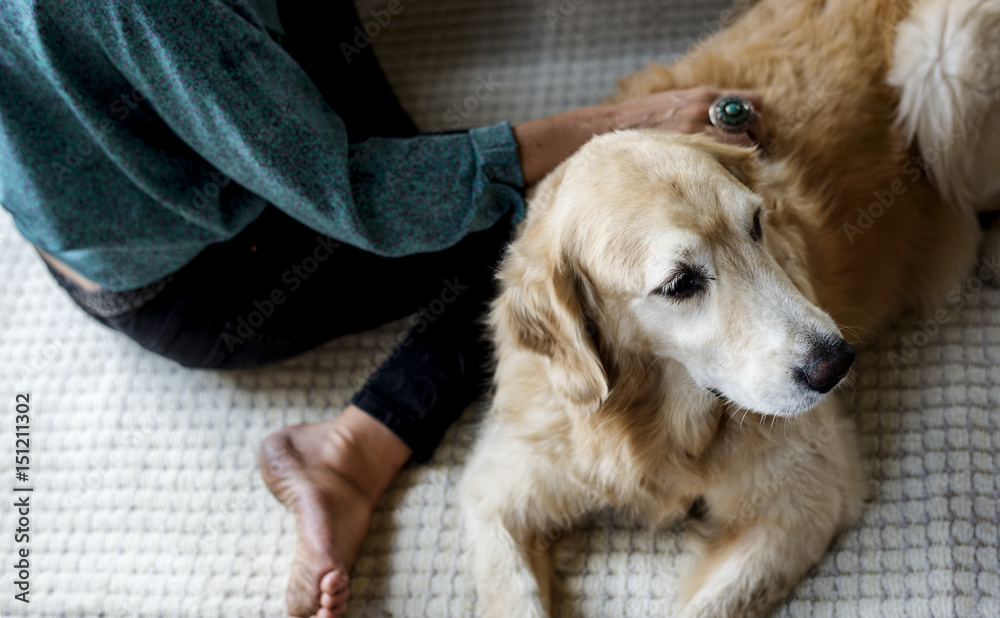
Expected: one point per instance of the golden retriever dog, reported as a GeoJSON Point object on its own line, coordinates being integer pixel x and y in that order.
{"type": "Point", "coordinates": [676, 314]}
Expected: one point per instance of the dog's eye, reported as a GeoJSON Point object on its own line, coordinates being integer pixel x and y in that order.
{"type": "Point", "coordinates": [756, 233]}
{"type": "Point", "coordinates": [684, 284]}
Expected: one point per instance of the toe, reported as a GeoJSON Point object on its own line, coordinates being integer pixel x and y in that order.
{"type": "Point", "coordinates": [334, 589]}
{"type": "Point", "coordinates": [334, 602]}
{"type": "Point", "coordinates": [333, 605]}
{"type": "Point", "coordinates": [340, 598]}
{"type": "Point", "coordinates": [338, 610]}
{"type": "Point", "coordinates": [333, 582]}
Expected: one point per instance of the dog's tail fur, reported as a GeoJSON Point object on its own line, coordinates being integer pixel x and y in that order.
{"type": "Point", "coordinates": [946, 66]}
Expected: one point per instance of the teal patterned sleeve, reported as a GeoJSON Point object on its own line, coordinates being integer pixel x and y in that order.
{"type": "Point", "coordinates": [238, 99]}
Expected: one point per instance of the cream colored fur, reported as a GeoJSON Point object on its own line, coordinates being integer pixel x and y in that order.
{"type": "Point", "coordinates": [602, 382]}
{"type": "Point", "coordinates": [947, 68]}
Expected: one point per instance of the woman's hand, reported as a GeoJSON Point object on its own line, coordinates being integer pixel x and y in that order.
{"type": "Point", "coordinates": [686, 111]}
{"type": "Point", "coordinates": [546, 142]}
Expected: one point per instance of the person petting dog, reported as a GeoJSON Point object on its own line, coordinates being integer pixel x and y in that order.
{"type": "Point", "coordinates": [220, 183]}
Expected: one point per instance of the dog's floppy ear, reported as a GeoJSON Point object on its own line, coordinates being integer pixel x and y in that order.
{"type": "Point", "coordinates": [540, 309]}
{"type": "Point", "coordinates": [741, 162]}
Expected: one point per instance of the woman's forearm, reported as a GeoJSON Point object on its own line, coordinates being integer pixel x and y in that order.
{"type": "Point", "coordinates": [546, 142]}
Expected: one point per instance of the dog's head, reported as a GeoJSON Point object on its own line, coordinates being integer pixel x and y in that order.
{"type": "Point", "coordinates": [653, 243]}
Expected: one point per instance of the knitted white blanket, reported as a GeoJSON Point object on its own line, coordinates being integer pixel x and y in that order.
{"type": "Point", "coordinates": [146, 497]}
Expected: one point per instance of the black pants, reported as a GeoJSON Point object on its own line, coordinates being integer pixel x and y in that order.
{"type": "Point", "coordinates": [280, 288]}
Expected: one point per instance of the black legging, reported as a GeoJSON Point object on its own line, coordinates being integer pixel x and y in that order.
{"type": "Point", "coordinates": [279, 288]}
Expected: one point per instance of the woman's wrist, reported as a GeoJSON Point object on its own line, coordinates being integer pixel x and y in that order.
{"type": "Point", "coordinates": [546, 142]}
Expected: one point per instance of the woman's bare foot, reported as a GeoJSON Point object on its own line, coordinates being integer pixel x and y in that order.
{"type": "Point", "coordinates": [330, 474]}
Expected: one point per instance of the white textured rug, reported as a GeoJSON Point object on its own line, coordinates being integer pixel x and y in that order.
{"type": "Point", "coordinates": [146, 498]}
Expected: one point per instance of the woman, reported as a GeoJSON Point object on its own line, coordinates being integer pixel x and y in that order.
{"type": "Point", "coordinates": [220, 182]}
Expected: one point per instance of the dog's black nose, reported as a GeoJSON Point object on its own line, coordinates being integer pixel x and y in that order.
{"type": "Point", "coordinates": [827, 365]}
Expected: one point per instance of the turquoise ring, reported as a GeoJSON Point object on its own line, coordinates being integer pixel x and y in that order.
{"type": "Point", "coordinates": [731, 113]}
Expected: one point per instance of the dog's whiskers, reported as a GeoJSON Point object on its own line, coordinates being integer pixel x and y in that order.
{"type": "Point", "coordinates": [853, 330]}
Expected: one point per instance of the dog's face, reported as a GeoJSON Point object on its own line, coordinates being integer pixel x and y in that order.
{"type": "Point", "coordinates": [659, 242]}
